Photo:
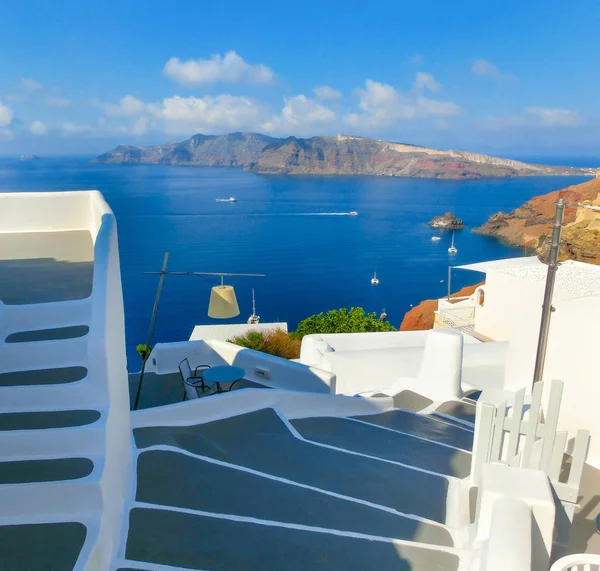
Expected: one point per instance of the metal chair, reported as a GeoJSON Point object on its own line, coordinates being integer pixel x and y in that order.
{"type": "Point", "coordinates": [192, 381]}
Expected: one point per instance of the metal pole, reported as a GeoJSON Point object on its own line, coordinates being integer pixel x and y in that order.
{"type": "Point", "coordinates": [547, 308]}
{"type": "Point", "coordinates": [449, 280]}
{"type": "Point", "coordinates": [151, 329]}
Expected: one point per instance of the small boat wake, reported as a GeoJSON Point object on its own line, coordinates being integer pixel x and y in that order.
{"type": "Point", "coordinates": [353, 213]}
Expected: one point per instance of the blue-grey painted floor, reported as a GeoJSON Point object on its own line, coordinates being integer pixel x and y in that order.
{"type": "Point", "coordinates": [41, 547]}
{"type": "Point", "coordinates": [369, 439]}
{"type": "Point", "coordinates": [260, 440]}
{"type": "Point", "coordinates": [422, 426]}
{"type": "Point", "coordinates": [173, 479]}
{"type": "Point", "coordinates": [199, 542]}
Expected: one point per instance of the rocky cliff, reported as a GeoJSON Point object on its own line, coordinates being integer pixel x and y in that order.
{"type": "Point", "coordinates": [341, 155]}
{"type": "Point", "coordinates": [529, 225]}
{"type": "Point", "coordinates": [233, 150]}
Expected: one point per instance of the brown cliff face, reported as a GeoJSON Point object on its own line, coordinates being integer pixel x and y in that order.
{"type": "Point", "coordinates": [422, 316]}
{"type": "Point", "coordinates": [529, 225]}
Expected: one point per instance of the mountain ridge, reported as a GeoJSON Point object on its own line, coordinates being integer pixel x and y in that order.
{"type": "Point", "coordinates": [329, 155]}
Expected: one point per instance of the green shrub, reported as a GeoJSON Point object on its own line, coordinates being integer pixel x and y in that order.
{"type": "Point", "coordinates": [342, 320]}
{"type": "Point", "coordinates": [273, 341]}
{"type": "Point", "coordinates": [143, 350]}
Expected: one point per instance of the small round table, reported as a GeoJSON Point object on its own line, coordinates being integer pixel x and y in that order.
{"type": "Point", "coordinates": [223, 374]}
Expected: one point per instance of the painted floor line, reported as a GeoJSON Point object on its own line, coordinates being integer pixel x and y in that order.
{"type": "Point", "coordinates": [267, 476]}
{"type": "Point", "coordinates": [297, 527]}
{"type": "Point", "coordinates": [408, 434]}
{"type": "Point", "coordinates": [386, 460]}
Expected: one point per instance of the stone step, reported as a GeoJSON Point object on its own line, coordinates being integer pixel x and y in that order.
{"type": "Point", "coordinates": [36, 377]}
{"type": "Point", "coordinates": [53, 334]}
{"type": "Point", "coordinates": [426, 427]}
{"type": "Point", "coordinates": [47, 470]}
{"type": "Point", "coordinates": [173, 479]}
{"type": "Point", "coordinates": [45, 420]}
{"type": "Point", "coordinates": [41, 546]}
{"type": "Point", "coordinates": [194, 541]}
{"type": "Point", "coordinates": [371, 440]}
{"type": "Point", "coordinates": [262, 441]}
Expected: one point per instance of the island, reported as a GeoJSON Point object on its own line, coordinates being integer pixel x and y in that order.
{"type": "Point", "coordinates": [447, 222]}
{"type": "Point", "coordinates": [341, 155]}
{"type": "Point", "coordinates": [529, 225]}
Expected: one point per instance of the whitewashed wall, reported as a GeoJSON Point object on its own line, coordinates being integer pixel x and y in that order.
{"type": "Point", "coordinates": [508, 302]}
{"type": "Point", "coordinates": [573, 351]}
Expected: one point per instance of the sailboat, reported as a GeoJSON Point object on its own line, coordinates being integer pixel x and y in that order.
{"type": "Point", "coordinates": [383, 314]}
{"type": "Point", "coordinates": [452, 249]}
{"type": "Point", "coordinates": [374, 279]}
{"type": "Point", "coordinates": [253, 319]}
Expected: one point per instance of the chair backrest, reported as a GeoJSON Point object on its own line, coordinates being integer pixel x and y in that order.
{"type": "Point", "coordinates": [185, 370]}
{"type": "Point", "coordinates": [441, 366]}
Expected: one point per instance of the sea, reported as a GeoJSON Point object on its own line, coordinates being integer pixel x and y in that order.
{"type": "Point", "coordinates": [295, 230]}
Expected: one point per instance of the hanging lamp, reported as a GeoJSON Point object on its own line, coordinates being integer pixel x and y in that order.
{"type": "Point", "coordinates": [223, 303]}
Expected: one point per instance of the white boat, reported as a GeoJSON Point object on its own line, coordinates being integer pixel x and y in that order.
{"type": "Point", "coordinates": [374, 279]}
{"type": "Point", "coordinates": [230, 199]}
{"type": "Point", "coordinates": [435, 238]}
{"type": "Point", "coordinates": [353, 213]}
{"type": "Point", "coordinates": [253, 319]}
{"type": "Point", "coordinates": [452, 249]}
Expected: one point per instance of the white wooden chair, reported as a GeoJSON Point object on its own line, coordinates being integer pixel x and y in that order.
{"type": "Point", "coordinates": [516, 436]}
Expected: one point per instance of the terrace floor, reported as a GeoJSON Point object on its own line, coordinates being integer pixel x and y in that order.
{"type": "Point", "coordinates": [41, 267]}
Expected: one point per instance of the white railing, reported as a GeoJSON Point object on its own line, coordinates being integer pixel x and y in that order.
{"type": "Point", "coordinates": [459, 312]}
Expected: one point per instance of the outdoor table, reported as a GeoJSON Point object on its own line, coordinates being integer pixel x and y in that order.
{"type": "Point", "coordinates": [223, 374]}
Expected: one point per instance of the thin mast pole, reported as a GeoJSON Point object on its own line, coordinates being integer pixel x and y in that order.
{"type": "Point", "coordinates": [547, 308]}
{"type": "Point", "coordinates": [449, 278]}
{"type": "Point", "coordinates": [151, 329]}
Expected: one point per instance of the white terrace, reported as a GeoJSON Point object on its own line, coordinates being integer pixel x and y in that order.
{"type": "Point", "coordinates": [373, 451]}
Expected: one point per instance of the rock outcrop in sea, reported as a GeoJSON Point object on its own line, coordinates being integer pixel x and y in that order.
{"type": "Point", "coordinates": [447, 221]}
{"type": "Point", "coordinates": [529, 225]}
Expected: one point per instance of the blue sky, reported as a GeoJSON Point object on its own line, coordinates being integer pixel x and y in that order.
{"type": "Point", "coordinates": [514, 78]}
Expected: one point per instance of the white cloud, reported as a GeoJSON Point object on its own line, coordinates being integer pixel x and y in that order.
{"type": "Point", "coordinates": [6, 115]}
{"type": "Point", "coordinates": [128, 106]}
{"type": "Point", "coordinates": [499, 123]}
{"type": "Point", "coordinates": [485, 68]}
{"type": "Point", "coordinates": [57, 101]}
{"type": "Point", "coordinates": [29, 85]}
{"type": "Point", "coordinates": [69, 128]}
{"type": "Point", "coordinates": [299, 114]}
{"type": "Point", "coordinates": [426, 81]}
{"type": "Point", "coordinates": [382, 105]}
{"type": "Point", "coordinates": [230, 68]}
{"type": "Point", "coordinates": [417, 59]}
{"type": "Point", "coordinates": [209, 114]}
{"type": "Point", "coordinates": [38, 128]}
{"type": "Point", "coordinates": [549, 117]}
{"type": "Point", "coordinates": [327, 93]}
{"type": "Point", "coordinates": [533, 117]}
{"type": "Point", "coordinates": [431, 107]}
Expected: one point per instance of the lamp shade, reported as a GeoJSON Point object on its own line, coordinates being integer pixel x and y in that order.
{"type": "Point", "coordinates": [223, 303]}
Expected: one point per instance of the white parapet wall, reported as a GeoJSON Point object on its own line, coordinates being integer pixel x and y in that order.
{"type": "Point", "coordinates": [259, 367]}
{"type": "Point", "coordinates": [96, 500]}
{"type": "Point", "coordinates": [229, 331]}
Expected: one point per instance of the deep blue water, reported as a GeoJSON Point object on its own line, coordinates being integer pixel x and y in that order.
{"type": "Point", "coordinates": [313, 262]}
